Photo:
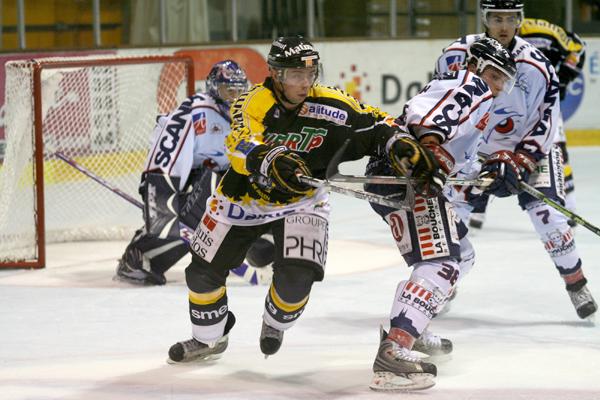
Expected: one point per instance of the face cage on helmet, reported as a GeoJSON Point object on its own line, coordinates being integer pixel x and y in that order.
{"type": "Point", "coordinates": [221, 89]}
{"type": "Point", "coordinates": [511, 77]}
{"type": "Point", "coordinates": [486, 11]}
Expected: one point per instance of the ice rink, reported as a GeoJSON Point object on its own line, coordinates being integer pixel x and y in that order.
{"type": "Point", "coordinates": [69, 332]}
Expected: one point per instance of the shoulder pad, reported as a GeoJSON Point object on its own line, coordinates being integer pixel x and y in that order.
{"type": "Point", "coordinates": [256, 102]}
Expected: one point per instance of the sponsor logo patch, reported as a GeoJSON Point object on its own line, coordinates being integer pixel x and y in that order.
{"type": "Point", "coordinates": [199, 122]}
{"type": "Point", "coordinates": [321, 111]}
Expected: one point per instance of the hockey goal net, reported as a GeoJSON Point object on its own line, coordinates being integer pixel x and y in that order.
{"type": "Point", "coordinates": [98, 112]}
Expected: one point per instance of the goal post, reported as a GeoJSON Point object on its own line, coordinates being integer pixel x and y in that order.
{"type": "Point", "coordinates": [99, 111]}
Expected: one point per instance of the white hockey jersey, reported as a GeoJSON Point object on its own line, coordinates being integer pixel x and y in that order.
{"type": "Point", "coordinates": [527, 118]}
{"type": "Point", "coordinates": [454, 106]}
{"type": "Point", "coordinates": [191, 136]}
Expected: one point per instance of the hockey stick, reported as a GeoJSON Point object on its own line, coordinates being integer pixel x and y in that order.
{"type": "Point", "coordinates": [402, 180]}
{"type": "Point", "coordinates": [334, 175]}
{"type": "Point", "coordinates": [405, 204]}
{"type": "Point", "coordinates": [185, 232]}
{"type": "Point", "coordinates": [566, 212]}
{"type": "Point", "coordinates": [99, 180]}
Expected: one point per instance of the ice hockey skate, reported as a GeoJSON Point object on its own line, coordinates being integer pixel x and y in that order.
{"type": "Point", "coordinates": [476, 221]}
{"type": "Point", "coordinates": [433, 346]}
{"type": "Point", "coordinates": [582, 299]}
{"type": "Point", "coordinates": [270, 340]}
{"type": "Point", "coordinates": [131, 270]}
{"type": "Point", "coordinates": [195, 351]}
{"type": "Point", "coordinates": [397, 369]}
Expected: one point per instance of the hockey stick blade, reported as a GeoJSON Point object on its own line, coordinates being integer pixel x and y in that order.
{"type": "Point", "coordinates": [405, 204]}
{"type": "Point", "coordinates": [566, 212]}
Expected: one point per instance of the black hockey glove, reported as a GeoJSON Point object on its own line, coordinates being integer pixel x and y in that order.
{"type": "Point", "coordinates": [281, 166]}
{"type": "Point", "coordinates": [504, 170]}
{"type": "Point", "coordinates": [407, 155]}
{"type": "Point", "coordinates": [439, 176]}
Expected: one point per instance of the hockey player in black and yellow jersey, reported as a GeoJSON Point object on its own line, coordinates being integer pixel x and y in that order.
{"type": "Point", "coordinates": [287, 126]}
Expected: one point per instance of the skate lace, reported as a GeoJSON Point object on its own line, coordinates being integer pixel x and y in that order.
{"type": "Point", "coordinates": [431, 340]}
{"type": "Point", "coordinates": [192, 345]}
{"type": "Point", "coordinates": [270, 332]}
{"type": "Point", "coordinates": [580, 297]}
{"type": "Point", "coordinates": [402, 353]}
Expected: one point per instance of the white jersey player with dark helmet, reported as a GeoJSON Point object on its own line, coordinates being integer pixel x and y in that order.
{"type": "Point", "coordinates": [186, 155]}
{"type": "Point", "coordinates": [447, 117]}
{"type": "Point", "coordinates": [519, 141]}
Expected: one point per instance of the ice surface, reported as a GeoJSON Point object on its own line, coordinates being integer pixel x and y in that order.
{"type": "Point", "coordinates": [70, 332]}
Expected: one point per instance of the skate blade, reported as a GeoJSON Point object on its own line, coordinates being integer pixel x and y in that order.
{"type": "Point", "coordinates": [389, 382]}
{"type": "Point", "coordinates": [591, 319]}
{"type": "Point", "coordinates": [199, 360]}
{"type": "Point", "coordinates": [433, 358]}
{"type": "Point", "coordinates": [131, 281]}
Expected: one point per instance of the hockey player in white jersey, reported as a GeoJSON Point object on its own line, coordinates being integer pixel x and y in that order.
{"type": "Point", "coordinates": [187, 150]}
{"type": "Point", "coordinates": [447, 117]}
{"type": "Point", "coordinates": [522, 130]}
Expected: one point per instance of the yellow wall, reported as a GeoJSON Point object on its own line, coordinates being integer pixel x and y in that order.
{"type": "Point", "coordinates": [583, 137]}
{"type": "Point", "coordinates": [56, 13]}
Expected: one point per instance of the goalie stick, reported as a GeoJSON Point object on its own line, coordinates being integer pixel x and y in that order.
{"type": "Point", "coordinates": [185, 232]}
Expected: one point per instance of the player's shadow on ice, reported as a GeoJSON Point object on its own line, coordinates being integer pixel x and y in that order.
{"type": "Point", "coordinates": [207, 381]}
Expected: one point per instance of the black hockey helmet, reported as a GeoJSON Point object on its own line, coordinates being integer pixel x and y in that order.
{"type": "Point", "coordinates": [488, 6]}
{"type": "Point", "coordinates": [488, 52]}
{"type": "Point", "coordinates": [292, 52]}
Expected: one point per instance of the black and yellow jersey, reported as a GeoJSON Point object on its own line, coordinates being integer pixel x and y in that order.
{"type": "Point", "coordinates": [315, 130]}
{"type": "Point", "coordinates": [558, 45]}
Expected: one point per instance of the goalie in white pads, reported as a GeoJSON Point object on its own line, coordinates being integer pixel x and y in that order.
{"type": "Point", "coordinates": [519, 141]}
{"type": "Point", "coordinates": [186, 155]}
{"type": "Point", "coordinates": [447, 118]}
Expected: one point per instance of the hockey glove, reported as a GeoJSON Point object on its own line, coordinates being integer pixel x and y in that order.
{"type": "Point", "coordinates": [439, 176]}
{"type": "Point", "coordinates": [282, 167]}
{"type": "Point", "coordinates": [526, 164]}
{"type": "Point", "coordinates": [504, 170]}
{"type": "Point", "coordinates": [407, 155]}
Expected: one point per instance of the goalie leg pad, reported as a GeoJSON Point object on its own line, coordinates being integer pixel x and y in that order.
{"type": "Point", "coordinates": [262, 252]}
{"type": "Point", "coordinates": [430, 232]}
{"type": "Point", "coordinates": [193, 199]}
{"type": "Point", "coordinates": [161, 205]}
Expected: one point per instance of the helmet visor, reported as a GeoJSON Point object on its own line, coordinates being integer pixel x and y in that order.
{"type": "Point", "coordinates": [298, 76]}
{"type": "Point", "coordinates": [511, 19]}
{"type": "Point", "coordinates": [499, 77]}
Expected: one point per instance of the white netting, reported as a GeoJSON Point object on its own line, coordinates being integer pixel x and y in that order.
{"type": "Point", "coordinates": [101, 116]}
